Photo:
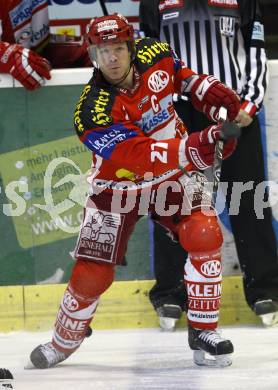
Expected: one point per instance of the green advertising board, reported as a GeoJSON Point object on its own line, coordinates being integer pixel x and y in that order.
{"type": "Point", "coordinates": [44, 168]}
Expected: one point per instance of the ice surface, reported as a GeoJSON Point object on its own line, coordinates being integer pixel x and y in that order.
{"type": "Point", "coordinates": [146, 359]}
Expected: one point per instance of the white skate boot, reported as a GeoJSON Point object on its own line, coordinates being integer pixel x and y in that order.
{"type": "Point", "coordinates": [46, 356]}
{"type": "Point", "coordinates": [168, 316]}
{"type": "Point", "coordinates": [209, 341]}
{"type": "Point", "coordinates": [267, 310]}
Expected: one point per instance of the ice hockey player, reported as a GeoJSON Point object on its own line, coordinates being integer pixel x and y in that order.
{"type": "Point", "coordinates": [144, 161]}
{"type": "Point", "coordinates": [28, 50]}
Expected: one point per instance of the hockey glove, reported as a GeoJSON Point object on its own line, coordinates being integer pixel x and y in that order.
{"type": "Point", "coordinates": [200, 147]}
{"type": "Point", "coordinates": [208, 94]}
{"type": "Point", "coordinates": [24, 65]}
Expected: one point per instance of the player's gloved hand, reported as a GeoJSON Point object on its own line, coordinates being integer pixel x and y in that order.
{"type": "Point", "coordinates": [200, 147]}
{"type": "Point", "coordinates": [208, 94]}
{"type": "Point", "coordinates": [24, 65]}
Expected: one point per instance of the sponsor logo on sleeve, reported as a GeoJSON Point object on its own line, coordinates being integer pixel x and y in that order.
{"type": "Point", "coordinates": [100, 105]}
{"type": "Point", "coordinates": [258, 31]}
{"type": "Point", "coordinates": [77, 114]}
{"type": "Point", "coordinates": [103, 142]}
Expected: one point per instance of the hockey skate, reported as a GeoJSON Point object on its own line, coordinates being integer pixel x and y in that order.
{"type": "Point", "coordinates": [209, 341]}
{"type": "Point", "coordinates": [267, 310]}
{"type": "Point", "coordinates": [168, 316]}
{"type": "Point", "coordinates": [46, 356]}
{"type": "Point", "coordinates": [6, 379]}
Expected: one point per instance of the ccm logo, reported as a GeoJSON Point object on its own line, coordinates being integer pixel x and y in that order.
{"type": "Point", "coordinates": [158, 80]}
{"type": "Point", "coordinates": [211, 268]}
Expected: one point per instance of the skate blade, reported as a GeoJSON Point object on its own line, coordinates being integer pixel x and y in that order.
{"type": "Point", "coordinates": [167, 324]}
{"type": "Point", "coordinates": [269, 319]}
{"type": "Point", "coordinates": [213, 361]}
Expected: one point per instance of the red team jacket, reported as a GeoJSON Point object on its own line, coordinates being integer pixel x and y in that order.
{"type": "Point", "coordinates": [134, 132]}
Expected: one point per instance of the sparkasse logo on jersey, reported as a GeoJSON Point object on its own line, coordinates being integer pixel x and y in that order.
{"type": "Point", "coordinates": [211, 268]}
{"type": "Point", "coordinates": [24, 10]}
{"type": "Point", "coordinates": [158, 80]}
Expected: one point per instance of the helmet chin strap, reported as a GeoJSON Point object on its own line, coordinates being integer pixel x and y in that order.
{"type": "Point", "coordinates": [124, 76]}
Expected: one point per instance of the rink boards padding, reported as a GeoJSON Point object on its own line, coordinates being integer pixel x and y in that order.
{"type": "Point", "coordinates": [124, 305]}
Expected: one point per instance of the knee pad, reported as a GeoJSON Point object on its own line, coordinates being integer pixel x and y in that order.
{"type": "Point", "coordinates": [91, 279]}
{"type": "Point", "coordinates": [200, 233]}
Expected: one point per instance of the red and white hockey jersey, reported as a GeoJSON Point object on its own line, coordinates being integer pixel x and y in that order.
{"type": "Point", "coordinates": [135, 136]}
{"type": "Point", "coordinates": [24, 22]}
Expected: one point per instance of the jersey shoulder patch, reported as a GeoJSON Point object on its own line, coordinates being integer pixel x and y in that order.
{"type": "Point", "coordinates": [94, 107]}
{"type": "Point", "coordinates": [149, 51]}
{"type": "Point", "coordinates": [258, 31]}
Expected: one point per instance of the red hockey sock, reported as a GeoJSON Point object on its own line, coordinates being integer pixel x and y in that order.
{"type": "Point", "coordinates": [88, 281]}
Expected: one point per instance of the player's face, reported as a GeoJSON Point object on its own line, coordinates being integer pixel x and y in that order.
{"type": "Point", "coordinates": [114, 61]}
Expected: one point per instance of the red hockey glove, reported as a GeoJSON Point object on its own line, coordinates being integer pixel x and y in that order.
{"type": "Point", "coordinates": [24, 65]}
{"type": "Point", "coordinates": [200, 147]}
{"type": "Point", "coordinates": [208, 94]}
